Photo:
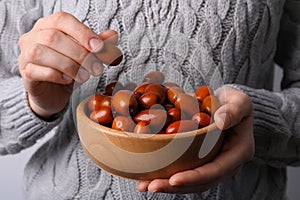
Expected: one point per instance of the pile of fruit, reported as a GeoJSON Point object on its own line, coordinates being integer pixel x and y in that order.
{"type": "Point", "coordinates": [153, 107]}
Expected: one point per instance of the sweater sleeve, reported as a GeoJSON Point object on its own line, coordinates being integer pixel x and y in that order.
{"type": "Point", "coordinates": [19, 126]}
{"type": "Point", "coordinates": [277, 115]}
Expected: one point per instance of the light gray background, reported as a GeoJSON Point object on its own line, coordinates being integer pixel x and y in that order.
{"type": "Point", "coordinates": [11, 170]}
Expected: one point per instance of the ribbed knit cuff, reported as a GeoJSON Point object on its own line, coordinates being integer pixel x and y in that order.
{"type": "Point", "coordinates": [270, 129]}
{"type": "Point", "coordinates": [20, 127]}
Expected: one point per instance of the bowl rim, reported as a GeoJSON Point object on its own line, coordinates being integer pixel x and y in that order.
{"type": "Point", "coordinates": [82, 108]}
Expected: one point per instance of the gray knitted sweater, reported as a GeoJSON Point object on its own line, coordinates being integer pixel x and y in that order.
{"type": "Point", "coordinates": [193, 42]}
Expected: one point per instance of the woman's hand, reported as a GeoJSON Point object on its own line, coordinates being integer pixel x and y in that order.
{"type": "Point", "coordinates": [54, 53]}
{"type": "Point", "coordinates": [234, 116]}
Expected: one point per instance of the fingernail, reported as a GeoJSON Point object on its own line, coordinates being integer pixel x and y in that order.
{"type": "Point", "coordinates": [96, 44]}
{"type": "Point", "coordinates": [222, 120]}
{"type": "Point", "coordinates": [83, 74]}
{"type": "Point", "coordinates": [97, 68]}
{"type": "Point", "coordinates": [141, 188]}
{"type": "Point", "coordinates": [154, 190]}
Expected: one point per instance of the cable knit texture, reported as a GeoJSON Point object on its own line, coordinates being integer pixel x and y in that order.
{"type": "Point", "coordinates": [194, 42]}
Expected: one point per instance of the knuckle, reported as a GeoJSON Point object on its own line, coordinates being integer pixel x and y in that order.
{"type": "Point", "coordinates": [34, 52]}
{"type": "Point", "coordinates": [82, 33]}
{"type": "Point", "coordinates": [59, 16]}
{"type": "Point", "coordinates": [49, 36]}
{"type": "Point", "coordinates": [82, 57]}
{"type": "Point", "coordinates": [66, 68]}
{"type": "Point", "coordinates": [40, 22]}
{"type": "Point", "coordinates": [28, 71]}
{"type": "Point", "coordinates": [22, 40]}
{"type": "Point", "coordinates": [70, 69]}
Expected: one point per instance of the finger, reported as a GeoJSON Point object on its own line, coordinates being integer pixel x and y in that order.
{"type": "Point", "coordinates": [71, 26]}
{"type": "Point", "coordinates": [225, 164]}
{"type": "Point", "coordinates": [236, 106]}
{"type": "Point", "coordinates": [38, 73]}
{"type": "Point", "coordinates": [110, 54]}
{"type": "Point", "coordinates": [231, 114]}
{"type": "Point", "coordinates": [63, 44]}
{"type": "Point", "coordinates": [163, 185]}
{"type": "Point", "coordinates": [159, 185]}
{"type": "Point", "coordinates": [143, 186]}
{"type": "Point", "coordinates": [109, 35]}
{"type": "Point", "coordinates": [228, 95]}
{"type": "Point", "coordinates": [228, 115]}
{"type": "Point", "coordinates": [205, 174]}
{"type": "Point", "coordinates": [44, 56]}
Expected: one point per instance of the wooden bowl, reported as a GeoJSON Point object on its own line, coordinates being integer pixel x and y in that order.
{"type": "Point", "coordinates": [146, 156]}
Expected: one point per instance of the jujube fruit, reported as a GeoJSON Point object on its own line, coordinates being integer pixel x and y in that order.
{"type": "Point", "coordinates": [124, 103]}
{"type": "Point", "coordinates": [123, 123]}
{"type": "Point", "coordinates": [103, 116]}
{"type": "Point", "coordinates": [153, 106]}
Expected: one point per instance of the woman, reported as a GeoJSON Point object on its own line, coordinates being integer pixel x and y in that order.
{"type": "Point", "coordinates": [231, 43]}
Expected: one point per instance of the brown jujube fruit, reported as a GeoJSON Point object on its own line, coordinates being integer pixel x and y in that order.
{"type": "Point", "coordinates": [210, 104]}
{"type": "Point", "coordinates": [106, 101]}
{"type": "Point", "coordinates": [181, 126]}
{"type": "Point", "coordinates": [110, 54]}
{"type": "Point", "coordinates": [94, 102]}
{"type": "Point", "coordinates": [175, 114]}
{"type": "Point", "coordinates": [149, 99]}
{"type": "Point", "coordinates": [187, 104]}
{"type": "Point", "coordinates": [156, 118]}
{"type": "Point", "coordinates": [123, 123]}
{"type": "Point", "coordinates": [103, 116]}
{"type": "Point", "coordinates": [125, 103]}
{"type": "Point", "coordinates": [157, 88]}
{"type": "Point", "coordinates": [154, 106]}
{"type": "Point", "coordinates": [142, 128]}
{"type": "Point", "coordinates": [202, 119]}
{"type": "Point", "coordinates": [202, 92]}
{"type": "Point", "coordinates": [172, 93]}
{"type": "Point", "coordinates": [140, 89]}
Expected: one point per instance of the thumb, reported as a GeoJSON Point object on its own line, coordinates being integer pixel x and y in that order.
{"type": "Point", "coordinates": [233, 112]}
{"type": "Point", "coordinates": [109, 35]}
{"type": "Point", "coordinates": [222, 119]}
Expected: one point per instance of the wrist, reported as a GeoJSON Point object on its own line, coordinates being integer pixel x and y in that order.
{"type": "Point", "coordinates": [40, 112]}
